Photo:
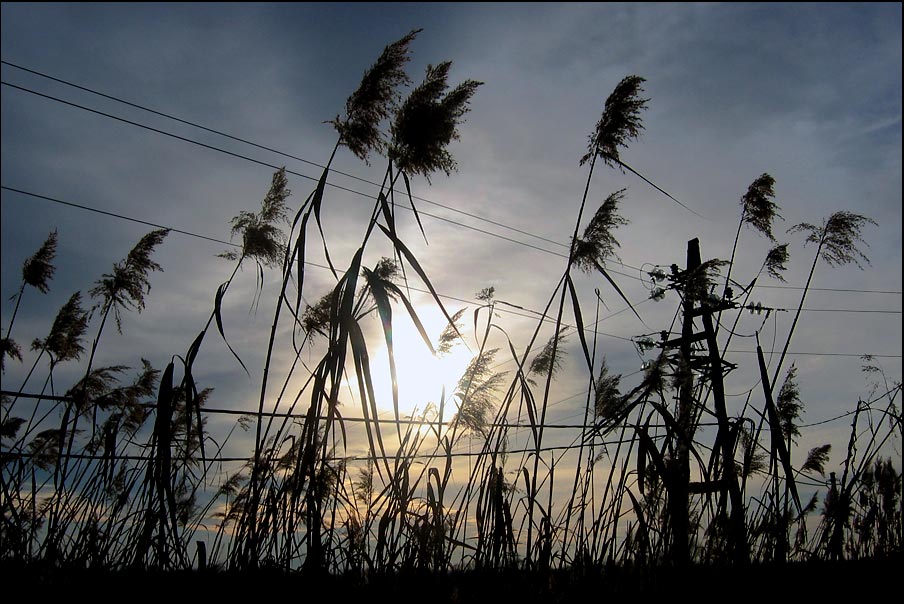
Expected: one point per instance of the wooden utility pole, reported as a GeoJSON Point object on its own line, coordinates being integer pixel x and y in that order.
{"type": "Point", "coordinates": [712, 367]}
{"type": "Point", "coordinates": [679, 494]}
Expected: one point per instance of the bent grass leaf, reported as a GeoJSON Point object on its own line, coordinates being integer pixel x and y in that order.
{"type": "Point", "coordinates": [300, 255]}
{"type": "Point", "coordinates": [414, 317]}
{"type": "Point", "coordinates": [775, 425]}
{"type": "Point", "coordinates": [401, 247]}
{"type": "Point", "coordinates": [417, 216]}
{"type": "Point", "coordinates": [579, 320]}
{"type": "Point", "coordinates": [642, 459]}
{"type": "Point", "coordinates": [641, 519]}
{"type": "Point", "coordinates": [194, 349]}
{"type": "Point", "coordinates": [218, 315]}
{"type": "Point", "coordinates": [367, 394]}
{"type": "Point", "coordinates": [316, 204]}
{"type": "Point", "coordinates": [378, 289]}
{"type": "Point", "coordinates": [650, 448]}
{"type": "Point", "coordinates": [525, 390]}
{"type": "Point", "coordinates": [612, 282]}
{"type": "Point", "coordinates": [388, 214]}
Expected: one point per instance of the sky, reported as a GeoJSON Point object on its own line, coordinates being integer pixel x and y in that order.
{"type": "Point", "coordinates": [809, 93]}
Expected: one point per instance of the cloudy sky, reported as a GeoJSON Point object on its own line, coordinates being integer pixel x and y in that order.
{"type": "Point", "coordinates": [809, 93]}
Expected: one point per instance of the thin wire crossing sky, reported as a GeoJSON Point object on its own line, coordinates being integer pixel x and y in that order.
{"type": "Point", "coordinates": [810, 94]}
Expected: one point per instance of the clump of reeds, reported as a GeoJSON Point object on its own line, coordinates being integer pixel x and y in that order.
{"type": "Point", "coordinates": [130, 476]}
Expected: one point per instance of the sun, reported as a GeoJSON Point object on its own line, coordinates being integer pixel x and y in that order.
{"type": "Point", "coordinates": [421, 375]}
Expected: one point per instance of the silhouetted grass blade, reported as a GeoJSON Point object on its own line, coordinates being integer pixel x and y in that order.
{"type": "Point", "coordinates": [612, 282]}
{"type": "Point", "coordinates": [420, 271]}
{"type": "Point", "coordinates": [778, 443]}
{"type": "Point", "coordinates": [579, 320]}
{"type": "Point", "coordinates": [218, 310]}
{"type": "Point", "coordinates": [417, 216]}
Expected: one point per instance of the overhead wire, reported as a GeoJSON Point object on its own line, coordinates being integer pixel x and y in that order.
{"type": "Point", "coordinates": [312, 178]}
{"type": "Point", "coordinates": [307, 262]}
{"type": "Point", "coordinates": [446, 296]}
{"type": "Point", "coordinates": [273, 150]}
{"type": "Point", "coordinates": [346, 174]}
{"type": "Point", "coordinates": [288, 171]}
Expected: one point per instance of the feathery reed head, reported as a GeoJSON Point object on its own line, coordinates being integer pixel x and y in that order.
{"type": "Point", "coordinates": [64, 342]}
{"type": "Point", "coordinates": [262, 239]}
{"type": "Point", "coordinates": [817, 459]}
{"type": "Point", "coordinates": [655, 372]}
{"type": "Point", "coordinates": [788, 405]}
{"type": "Point", "coordinates": [374, 100]}
{"type": "Point", "coordinates": [38, 270]}
{"type": "Point", "coordinates": [758, 209]}
{"type": "Point", "coordinates": [317, 317]}
{"type": "Point", "coordinates": [476, 391]}
{"type": "Point", "coordinates": [754, 459]}
{"type": "Point", "coordinates": [428, 121]}
{"type": "Point", "coordinates": [9, 348]}
{"type": "Point", "coordinates": [95, 385]}
{"type": "Point", "coordinates": [127, 285]}
{"type": "Point", "coordinates": [10, 425]}
{"type": "Point", "coordinates": [598, 243]}
{"type": "Point", "coordinates": [486, 294]}
{"type": "Point", "coordinates": [44, 448]}
{"type": "Point", "coordinates": [386, 269]}
{"type": "Point", "coordinates": [776, 261]}
{"type": "Point", "coordinates": [700, 281]}
{"type": "Point", "coordinates": [608, 401]}
{"type": "Point", "coordinates": [838, 237]}
{"type": "Point", "coordinates": [551, 358]}
{"type": "Point", "coordinates": [451, 333]}
{"type": "Point", "coordinates": [139, 258]}
{"type": "Point", "coordinates": [380, 282]}
{"type": "Point", "coordinates": [619, 123]}
{"type": "Point", "coordinates": [273, 208]}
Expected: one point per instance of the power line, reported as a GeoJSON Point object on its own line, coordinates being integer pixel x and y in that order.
{"type": "Point", "coordinates": [206, 238]}
{"type": "Point", "coordinates": [867, 406]}
{"type": "Point", "coordinates": [290, 156]}
{"type": "Point", "coordinates": [444, 296]}
{"type": "Point", "coordinates": [833, 289]}
{"type": "Point", "coordinates": [120, 216]}
{"type": "Point", "coordinates": [349, 458]}
{"type": "Point", "coordinates": [352, 176]}
{"type": "Point", "coordinates": [545, 318]}
{"type": "Point", "coordinates": [299, 174]}
{"type": "Point", "coordinates": [272, 150]}
{"type": "Point", "coordinates": [854, 310]}
{"type": "Point", "coordinates": [821, 354]}
{"type": "Point", "coordinates": [311, 178]}
{"type": "Point", "coordinates": [345, 418]}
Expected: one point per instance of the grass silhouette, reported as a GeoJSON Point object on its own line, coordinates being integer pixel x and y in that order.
{"type": "Point", "coordinates": [665, 481]}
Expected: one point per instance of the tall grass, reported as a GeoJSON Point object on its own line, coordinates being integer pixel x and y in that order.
{"type": "Point", "coordinates": [122, 471]}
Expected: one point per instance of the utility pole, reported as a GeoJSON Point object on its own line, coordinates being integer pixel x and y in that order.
{"type": "Point", "coordinates": [692, 371]}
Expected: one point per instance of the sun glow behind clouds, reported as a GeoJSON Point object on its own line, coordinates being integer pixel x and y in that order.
{"type": "Point", "coordinates": [421, 375]}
